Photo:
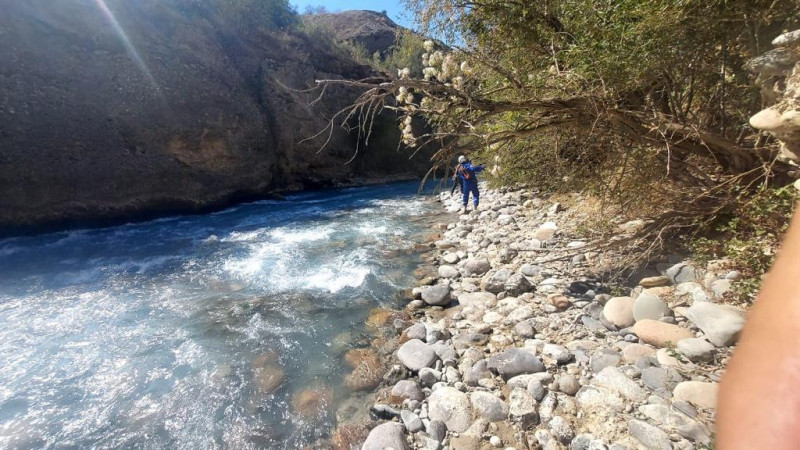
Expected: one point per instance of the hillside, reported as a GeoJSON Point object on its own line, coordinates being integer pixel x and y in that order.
{"type": "Point", "coordinates": [211, 114]}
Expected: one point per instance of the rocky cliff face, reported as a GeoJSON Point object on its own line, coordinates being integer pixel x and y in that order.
{"type": "Point", "coordinates": [779, 76]}
{"type": "Point", "coordinates": [168, 111]}
{"type": "Point", "coordinates": [372, 30]}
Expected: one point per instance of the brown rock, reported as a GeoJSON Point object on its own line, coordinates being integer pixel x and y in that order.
{"type": "Point", "coordinates": [631, 353]}
{"type": "Point", "coordinates": [559, 301]}
{"type": "Point", "coordinates": [698, 393]}
{"type": "Point", "coordinates": [366, 366]}
{"type": "Point", "coordinates": [312, 403]}
{"type": "Point", "coordinates": [269, 378]}
{"type": "Point", "coordinates": [651, 282]}
{"type": "Point", "coordinates": [660, 334]}
{"type": "Point", "coordinates": [381, 317]}
{"type": "Point", "coordinates": [350, 437]}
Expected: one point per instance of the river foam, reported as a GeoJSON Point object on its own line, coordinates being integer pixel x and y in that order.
{"type": "Point", "coordinates": [150, 334]}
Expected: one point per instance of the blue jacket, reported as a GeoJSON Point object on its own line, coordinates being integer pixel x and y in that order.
{"type": "Point", "coordinates": [468, 173]}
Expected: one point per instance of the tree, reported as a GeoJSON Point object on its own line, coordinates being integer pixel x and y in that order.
{"type": "Point", "coordinates": [642, 102]}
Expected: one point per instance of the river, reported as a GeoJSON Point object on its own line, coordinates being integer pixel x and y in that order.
{"type": "Point", "coordinates": [168, 333]}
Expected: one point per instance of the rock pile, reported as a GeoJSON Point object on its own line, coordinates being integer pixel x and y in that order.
{"type": "Point", "coordinates": [510, 347]}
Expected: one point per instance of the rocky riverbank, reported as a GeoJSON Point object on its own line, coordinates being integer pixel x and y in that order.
{"type": "Point", "coordinates": [512, 342]}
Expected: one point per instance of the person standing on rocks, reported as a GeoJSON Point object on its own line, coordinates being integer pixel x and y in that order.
{"type": "Point", "coordinates": [467, 174]}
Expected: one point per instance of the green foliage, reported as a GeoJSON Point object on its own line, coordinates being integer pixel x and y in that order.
{"type": "Point", "coordinates": [750, 237]}
{"type": "Point", "coordinates": [407, 52]}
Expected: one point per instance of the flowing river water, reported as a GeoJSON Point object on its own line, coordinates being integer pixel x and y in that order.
{"type": "Point", "coordinates": [175, 332]}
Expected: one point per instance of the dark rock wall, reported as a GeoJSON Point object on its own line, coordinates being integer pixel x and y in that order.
{"type": "Point", "coordinates": [211, 115]}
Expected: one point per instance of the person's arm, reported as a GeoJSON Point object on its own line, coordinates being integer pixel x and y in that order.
{"type": "Point", "coordinates": [478, 168]}
{"type": "Point", "coordinates": [759, 397]}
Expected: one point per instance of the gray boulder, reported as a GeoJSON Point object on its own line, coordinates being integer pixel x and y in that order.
{"type": "Point", "coordinates": [649, 436]}
{"type": "Point", "coordinates": [489, 406]}
{"type": "Point", "coordinates": [497, 282]}
{"type": "Point", "coordinates": [614, 380]}
{"type": "Point", "coordinates": [438, 295]}
{"type": "Point", "coordinates": [682, 273]}
{"type": "Point", "coordinates": [721, 323]}
{"type": "Point", "coordinates": [517, 284]}
{"type": "Point", "coordinates": [522, 408]}
{"type": "Point", "coordinates": [387, 435]}
{"type": "Point", "coordinates": [696, 349]}
{"type": "Point", "coordinates": [515, 361]}
{"type": "Point", "coordinates": [452, 407]}
{"type": "Point", "coordinates": [476, 267]}
{"type": "Point", "coordinates": [416, 355]}
{"type": "Point", "coordinates": [649, 306]}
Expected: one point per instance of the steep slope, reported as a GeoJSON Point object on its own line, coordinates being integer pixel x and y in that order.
{"type": "Point", "coordinates": [372, 30]}
{"type": "Point", "coordinates": [189, 116]}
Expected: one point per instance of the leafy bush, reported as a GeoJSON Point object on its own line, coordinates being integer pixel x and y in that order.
{"type": "Point", "coordinates": [751, 237]}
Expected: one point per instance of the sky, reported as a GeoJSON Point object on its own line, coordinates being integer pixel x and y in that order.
{"type": "Point", "coordinates": [395, 9]}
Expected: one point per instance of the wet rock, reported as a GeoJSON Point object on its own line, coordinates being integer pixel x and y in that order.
{"type": "Point", "coordinates": [349, 436]}
{"type": "Point", "coordinates": [649, 436]}
{"type": "Point", "coordinates": [613, 379]}
{"type": "Point", "coordinates": [696, 349]}
{"type": "Point", "coordinates": [367, 373]}
{"type": "Point", "coordinates": [721, 323]}
{"type": "Point", "coordinates": [476, 267]}
{"type": "Point", "coordinates": [660, 334]}
{"type": "Point", "coordinates": [488, 406]}
{"type": "Point", "coordinates": [407, 390]}
{"type": "Point", "coordinates": [438, 295]}
{"type": "Point", "coordinates": [387, 435]}
{"type": "Point", "coordinates": [452, 407]}
{"type": "Point", "coordinates": [515, 361]}
{"type": "Point", "coordinates": [698, 393]}
{"type": "Point", "coordinates": [649, 306]}
{"type": "Point", "coordinates": [312, 403]}
{"type": "Point", "coordinates": [267, 375]}
{"type": "Point", "coordinates": [416, 355]}
{"type": "Point", "coordinates": [379, 411]}
{"type": "Point", "coordinates": [522, 408]}
{"type": "Point", "coordinates": [619, 311]}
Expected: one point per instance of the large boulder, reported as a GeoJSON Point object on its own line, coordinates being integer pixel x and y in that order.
{"type": "Point", "coordinates": [517, 284]}
{"type": "Point", "coordinates": [386, 435]}
{"type": "Point", "coordinates": [721, 323]}
{"type": "Point", "coordinates": [497, 282]}
{"type": "Point", "coordinates": [416, 355]}
{"type": "Point", "coordinates": [682, 273]}
{"type": "Point", "coordinates": [452, 407]}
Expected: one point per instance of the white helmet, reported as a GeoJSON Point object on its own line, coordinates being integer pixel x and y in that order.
{"type": "Point", "coordinates": [462, 159]}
